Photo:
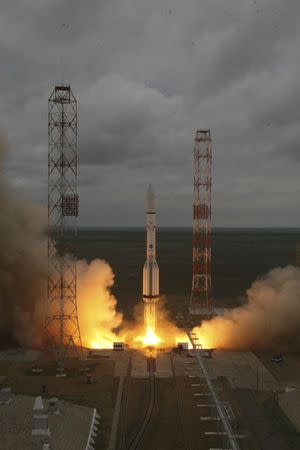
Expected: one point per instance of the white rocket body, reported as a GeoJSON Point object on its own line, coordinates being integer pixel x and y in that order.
{"type": "Point", "coordinates": [151, 270]}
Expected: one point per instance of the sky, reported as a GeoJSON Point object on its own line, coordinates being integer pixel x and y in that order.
{"type": "Point", "coordinates": [146, 75]}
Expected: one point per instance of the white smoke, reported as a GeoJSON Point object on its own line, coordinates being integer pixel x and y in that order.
{"type": "Point", "coordinates": [98, 317]}
{"type": "Point", "coordinates": [23, 264]}
{"type": "Point", "coordinates": [24, 271]}
{"type": "Point", "coordinates": [270, 317]}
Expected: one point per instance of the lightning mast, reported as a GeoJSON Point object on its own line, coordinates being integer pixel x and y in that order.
{"type": "Point", "coordinates": [201, 300]}
{"type": "Point", "coordinates": [62, 325]}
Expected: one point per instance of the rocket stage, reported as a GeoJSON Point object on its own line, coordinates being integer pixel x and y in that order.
{"type": "Point", "coordinates": [150, 273]}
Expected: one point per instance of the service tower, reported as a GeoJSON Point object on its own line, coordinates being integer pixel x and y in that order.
{"type": "Point", "coordinates": [201, 298]}
{"type": "Point", "coordinates": [150, 271]}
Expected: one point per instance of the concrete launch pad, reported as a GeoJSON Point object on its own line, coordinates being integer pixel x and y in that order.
{"type": "Point", "coordinates": [287, 378]}
{"type": "Point", "coordinates": [163, 367]}
{"type": "Point", "coordinates": [139, 365]}
{"type": "Point", "coordinates": [120, 386]}
{"type": "Point", "coordinates": [242, 370]}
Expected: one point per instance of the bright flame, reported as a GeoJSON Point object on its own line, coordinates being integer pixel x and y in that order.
{"type": "Point", "coordinates": [101, 344]}
{"type": "Point", "coordinates": [206, 339]}
{"type": "Point", "coordinates": [183, 338]}
{"type": "Point", "coordinates": [150, 338]}
{"type": "Point", "coordinates": [98, 315]}
{"type": "Point", "coordinates": [100, 340]}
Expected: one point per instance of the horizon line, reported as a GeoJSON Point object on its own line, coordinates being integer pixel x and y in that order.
{"type": "Point", "coordinates": [185, 227]}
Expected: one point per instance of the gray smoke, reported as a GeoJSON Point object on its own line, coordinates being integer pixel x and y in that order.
{"type": "Point", "coordinates": [23, 276]}
{"type": "Point", "coordinates": [23, 264]}
{"type": "Point", "coordinates": [270, 317]}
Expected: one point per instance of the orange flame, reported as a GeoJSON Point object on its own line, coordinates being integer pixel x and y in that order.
{"type": "Point", "coordinates": [150, 339]}
{"type": "Point", "coordinates": [100, 343]}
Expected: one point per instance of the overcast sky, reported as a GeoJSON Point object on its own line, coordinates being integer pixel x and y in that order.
{"type": "Point", "coordinates": [146, 74]}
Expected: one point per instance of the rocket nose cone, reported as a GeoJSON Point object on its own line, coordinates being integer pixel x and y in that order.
{"type": "Point", "coordinates": [150, 204]}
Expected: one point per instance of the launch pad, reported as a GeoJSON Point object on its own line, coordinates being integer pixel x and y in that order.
{"type": "Point", "coordinates": [181, 395]}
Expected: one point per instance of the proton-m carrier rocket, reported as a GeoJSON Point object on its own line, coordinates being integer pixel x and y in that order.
{"type": "Point", "coordinates": [150, 271]}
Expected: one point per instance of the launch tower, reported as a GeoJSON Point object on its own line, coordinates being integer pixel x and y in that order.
{"type": "Point", "coordinates": [201, 300]}
{"type": "Point", "coordinates": [62, 326]}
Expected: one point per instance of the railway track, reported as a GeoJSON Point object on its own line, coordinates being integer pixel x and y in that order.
{"type": "Point", "coordinates": [124, 408]}
{"type": "Point", "coordinates": [137, 438]}
{"type": "Point", "coordinates": [181, 409]}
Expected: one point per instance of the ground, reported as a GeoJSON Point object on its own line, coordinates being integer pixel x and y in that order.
{"type": "Point", "coordinates": [100, 394]}
{"type": "Point", "coordinates": [250, 384]}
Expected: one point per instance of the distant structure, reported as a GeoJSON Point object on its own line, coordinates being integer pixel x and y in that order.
{"type": "Point", "coordinates": [62, 326]}
{"type": "Point", "coordinates": [201, 300]}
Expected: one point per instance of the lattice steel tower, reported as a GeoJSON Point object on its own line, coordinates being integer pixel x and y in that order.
{"type": "Point", "coordinates": [201, 300]}
{"type": "Point", "coordinates": [62, 325]}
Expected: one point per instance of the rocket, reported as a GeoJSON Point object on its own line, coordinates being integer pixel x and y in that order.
{"type": "Point", "coordinates": [150, 271]}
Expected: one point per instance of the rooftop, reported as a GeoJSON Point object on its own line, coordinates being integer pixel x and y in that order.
{"type": "Point", "coordinates": [69, 429]}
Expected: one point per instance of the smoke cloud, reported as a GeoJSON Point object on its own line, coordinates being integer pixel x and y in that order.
{"type": "Point", "coordinates": [23, 265]}
{"type": "Point", "coordinates": [96, 305]}
{"type": "Point", "coordinates": [24, 270]}
{"type": "Point", "coordinates": [167, 332]}
{"type": "Point", "coordinates": [270, 317]}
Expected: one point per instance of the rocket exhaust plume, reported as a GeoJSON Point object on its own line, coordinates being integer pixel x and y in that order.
{"type": "Point", "coordinates": [270, 317]}
{"type": "Point", "coordinates": [23, 277]}
{"type": "Point", "coordinates": [150, 274]}
{"type": "Point", "coordinates": [98, 317]}
{"type": "Point", "coordinates": [23, 265]}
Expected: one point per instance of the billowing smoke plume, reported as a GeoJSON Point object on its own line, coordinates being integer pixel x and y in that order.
{"type": "Point", "coordinates": [96, 305]}
{"type": "Point", "coordinates": [167, 332]}
{"type": "Point", "coordinates": [23, 276]}
{"type": "Point", "coordinates": [270, 317]}
{"type": "Point", "coordinates": [23, 265]}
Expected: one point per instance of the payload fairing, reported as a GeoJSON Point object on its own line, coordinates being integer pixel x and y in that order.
{"type": "Point", "coordinates": [150, 271]}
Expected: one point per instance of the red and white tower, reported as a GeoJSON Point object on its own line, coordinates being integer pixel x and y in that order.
{"type": "Point", "coordinates": [201, 300]}
{"type": "Point", "coordinates": [62, 325]}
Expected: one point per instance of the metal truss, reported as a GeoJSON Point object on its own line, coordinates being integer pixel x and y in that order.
{"type": "Point", "coordinates": [62, 325]}
{"type": "Point", "coordinates": [201, 283]}
{"type": "Point", "coordinates": [224, 411]}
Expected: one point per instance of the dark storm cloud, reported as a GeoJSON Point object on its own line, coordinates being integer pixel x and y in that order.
{"type": "Point", "coordinates": [146, 75]}
{"type": "Point", "coordinates": [254, 44]}
{"type": "Point", "coordinates": [130, 119]}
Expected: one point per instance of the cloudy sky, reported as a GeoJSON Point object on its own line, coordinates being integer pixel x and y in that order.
{"type": "Point", "coordinates": [146, 74]}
